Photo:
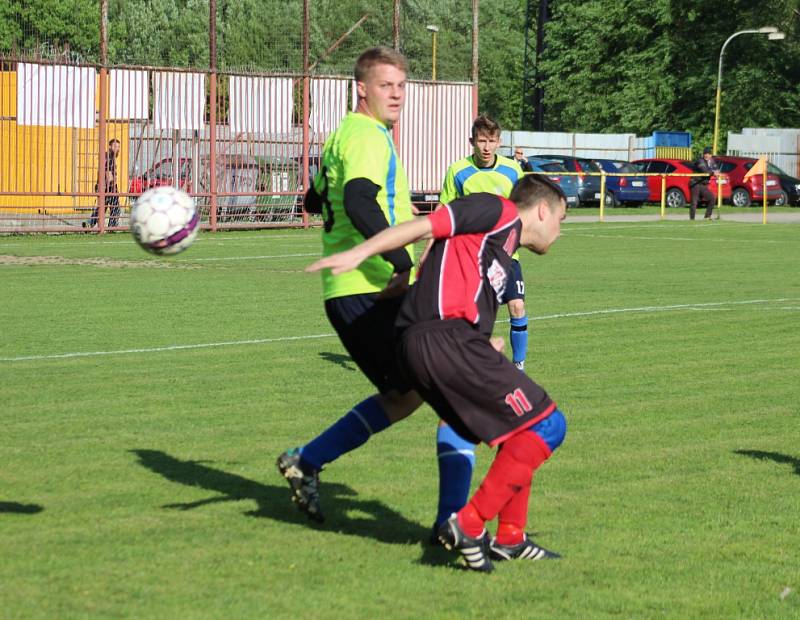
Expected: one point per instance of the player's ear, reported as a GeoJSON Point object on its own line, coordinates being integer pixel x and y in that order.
{"type": "Point", "coordinates": [541, 209]}
{"type": "Point", "coordinates": [361, 90]}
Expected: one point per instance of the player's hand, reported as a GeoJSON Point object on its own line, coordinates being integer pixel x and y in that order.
{"type": "Point", "coordinates": [337, 263]}
{"type": "Point", "coordinates": [398, 285]}
{"type": "Point", "coordinates": [498, 343]}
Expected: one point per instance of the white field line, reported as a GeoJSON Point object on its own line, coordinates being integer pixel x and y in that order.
{"type": "Point", "coordinates": [202, 240]}
{"type": "Point", "coordinates": [219, 258]}
{"type": "Point", "coordinates": [664, 238]}
{"type": "Point", "coordinates": [548, 317]}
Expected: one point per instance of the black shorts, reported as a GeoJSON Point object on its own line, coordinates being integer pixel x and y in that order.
{"type": "Point", "coordinates": [515, 287]}
{"type": "Point", "coordinates": [365, 326]}
{"type": "Point", "coordinates": [472, 387]}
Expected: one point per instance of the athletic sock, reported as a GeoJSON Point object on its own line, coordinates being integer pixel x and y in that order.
{"type": "Point", "coordinates": [349, 432]}
{"type": "Point", "coordinates": [510, 473]}
{"type": "Point", "coordinates": [519, 338]}
{"type": "Point", "coordinates": [456, 458]}
{"type": "Point", "coordinates": [509, 533]}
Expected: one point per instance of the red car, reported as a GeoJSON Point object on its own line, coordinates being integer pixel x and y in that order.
{"type": "Point", "coordinates": [751, 190]}
{"type": "Point", "coordinates": [678, 193]}
{"type": "Point", "coordinates": [161, 173]}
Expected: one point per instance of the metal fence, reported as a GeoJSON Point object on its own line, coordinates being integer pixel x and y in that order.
{"type": "Point", "coordinates": [243, 141]}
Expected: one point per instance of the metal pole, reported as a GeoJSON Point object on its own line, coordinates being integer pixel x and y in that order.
{"type": "Point", "coordinates": [719, 83]}
{"type": "Point", "coordinates": [396, 25]}
{"type": "Point", "coordinates": [602, 194]}
{"type": "Point", "coordinates": [101, 133]}
{"type": "Point", "coordinates": [764, 190]}
{"type": "Point", "coordinates": [212, 112]}
{"type": "Point", "coordinates": [433, 56]}
{"type": "Point", "coordinates": [475, 13]}
{"type": "Point", "coordinates": [306, 101]}
{"type": "Point", "coordinates": [663, 196]}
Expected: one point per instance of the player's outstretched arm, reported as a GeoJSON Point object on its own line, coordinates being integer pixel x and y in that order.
{"type": "Point", "coordinates": [386, 240]}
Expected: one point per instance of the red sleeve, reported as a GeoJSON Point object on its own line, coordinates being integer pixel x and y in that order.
{"type": "Point", "coordinates": [442, 222]}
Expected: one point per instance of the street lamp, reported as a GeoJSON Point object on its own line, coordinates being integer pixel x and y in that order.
{"type": "Point", "coordinates": [433, 30]}
{"type": "Point", "coordinates": [773, 34]}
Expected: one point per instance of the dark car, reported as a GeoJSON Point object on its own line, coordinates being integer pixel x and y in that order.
{"type": "Point", "coordinates": [588, 185]}
{"type": "Point", "coordinates": [568, 183]}
{"type": "Point", "coordinates": [619, 190]}
{"type": "Point", "coordinates": [743, 192]}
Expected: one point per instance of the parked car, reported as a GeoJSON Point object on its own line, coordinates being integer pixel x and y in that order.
{"type": "Point", "coordinates": [752, 190]}
{"type": "Point", "coordinates": [568, 183]}
{"type": "Point", "coordinates": [241, 177]}
{"type": "Point", "coordinates": [678, 193]}
{"type": "Point", "coordinates": [162, 173]}
{"type": "Point", "coordinates": [790, 187]}
{"type": "Point", "coordinates": [623, 190]}
{"type": "Point", "coordinates": [588, 186]}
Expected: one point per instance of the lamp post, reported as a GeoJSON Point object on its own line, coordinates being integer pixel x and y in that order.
{"type": "Point", "coordinates": [433, 30]}
{"type": "Point", "coordinates": [773, 34]}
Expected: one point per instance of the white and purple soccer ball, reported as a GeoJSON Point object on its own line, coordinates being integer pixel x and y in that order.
{"type": "Point", "coordinates": [165, 220]}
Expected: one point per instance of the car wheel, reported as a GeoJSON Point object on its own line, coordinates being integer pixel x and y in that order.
{"type": "Point", "coordinates": [611, 199]}
{"type": "Point", "coordinates": [675, 198]}
{"type": "Point", "coordinates": [740, 197]}
{"type": "Point", "coordinates": [782, 200]}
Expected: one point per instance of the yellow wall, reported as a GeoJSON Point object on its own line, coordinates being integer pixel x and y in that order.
{"type": "Point", "coordinates": [50, 159]}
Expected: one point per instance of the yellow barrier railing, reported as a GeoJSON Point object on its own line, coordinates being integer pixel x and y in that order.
{"type": "Point", "coordinates": [721, 180]}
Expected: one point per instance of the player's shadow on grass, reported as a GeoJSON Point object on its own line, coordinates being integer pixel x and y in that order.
{"type": "Point", "coordinates": [341, 507]}
{"type": "Point", "coordinates": [777, 457]}
{"type": "Point", "coordinates": [345, 361]}
{"type": "Point", "coordinates": [22, 509]}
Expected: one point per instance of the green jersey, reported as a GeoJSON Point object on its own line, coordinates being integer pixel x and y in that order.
{"type": "Point", "coordinates": [464, 177]}
{"type": "Point", "coordinates": [361, 147]}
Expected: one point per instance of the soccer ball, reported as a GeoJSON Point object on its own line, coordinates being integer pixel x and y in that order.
{"type": "Point", "coordinates": [165, 220]}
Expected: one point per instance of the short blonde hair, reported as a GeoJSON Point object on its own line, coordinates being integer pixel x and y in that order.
{"type": "Point", "coordinates": [378, 56]}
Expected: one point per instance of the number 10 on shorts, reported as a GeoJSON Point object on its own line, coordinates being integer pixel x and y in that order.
{"type": "Point", "coordinates": [518, 402]}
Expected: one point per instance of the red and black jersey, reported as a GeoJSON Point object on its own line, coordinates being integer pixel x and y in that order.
{"type": "Point", "coordinates": [469, 265]}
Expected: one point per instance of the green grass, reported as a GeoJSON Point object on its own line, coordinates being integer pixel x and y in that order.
{"type": "Point", "coordinates": [672, 348]}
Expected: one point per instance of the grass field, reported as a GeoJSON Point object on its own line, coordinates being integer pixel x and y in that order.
{"type": "Point", "coordinates": [145, 400]}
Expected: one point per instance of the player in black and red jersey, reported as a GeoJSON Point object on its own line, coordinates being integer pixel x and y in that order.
{"type": "Point", "coordinates": [447, 351]}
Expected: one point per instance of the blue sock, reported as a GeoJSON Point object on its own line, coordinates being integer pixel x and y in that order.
{"type": "Point", "coordinates": [456, 462]}
{"type": "Point", "coordinates": [519, 338]}
{"type": "Point", "coordinates": [349, 432]}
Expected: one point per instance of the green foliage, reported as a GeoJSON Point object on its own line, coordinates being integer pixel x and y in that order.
{"type": "Point", "coordinates": [621, 66]}
{"type": "Point", "coordinates": [643, 65]}
{"type": "Point", "coordinates": [159, 32]}
{"type": "Point", "coordinates": [72, 25]}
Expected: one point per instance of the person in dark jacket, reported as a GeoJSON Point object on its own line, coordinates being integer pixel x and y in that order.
{"type": "Point", "coordinates": [699, 185]}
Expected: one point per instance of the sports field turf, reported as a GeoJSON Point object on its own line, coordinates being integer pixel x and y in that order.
{"type": "Point", "coordinates": [143, 402]}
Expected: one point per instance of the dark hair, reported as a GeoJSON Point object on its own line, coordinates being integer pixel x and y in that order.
{"type": "Point", "coordinates": [485, 124]}
{"type": "Point", "coordinates": [378, 56]}
{"type": "Point", "coordinates": [113, 140]}
{"type": "Point", "coordinates": [532, 188]}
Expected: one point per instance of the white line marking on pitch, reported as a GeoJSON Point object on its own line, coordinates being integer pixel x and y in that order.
{"type": "Point", "coordinates": [195, 260]}
{"type": "Point", "coordinates": [176, 347]}
{"type": "Point", "coordinates": [699, 239]}
{"type": "Point", "coordinates": [230, 343]}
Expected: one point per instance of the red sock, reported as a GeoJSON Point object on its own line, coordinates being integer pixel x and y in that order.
{"type": "Point", "coordinates": [509, 475]}
{"type": "Point", "coordinates": [510, 533]}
